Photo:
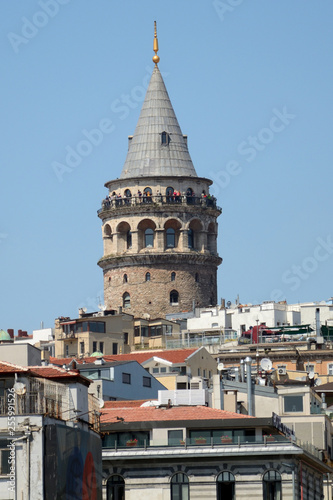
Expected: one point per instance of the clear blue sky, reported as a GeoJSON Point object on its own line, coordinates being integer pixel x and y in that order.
{"type": "Point", "coordinates": [251, 84]}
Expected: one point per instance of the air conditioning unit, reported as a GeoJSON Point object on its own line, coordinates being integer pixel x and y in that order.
{"type": "Point", "coordinates": [282, 370]}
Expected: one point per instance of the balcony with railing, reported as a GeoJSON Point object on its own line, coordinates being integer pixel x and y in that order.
{"type": "Point", "coordinates": [115, 203]}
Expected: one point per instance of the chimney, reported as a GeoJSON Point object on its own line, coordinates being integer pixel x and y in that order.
{"type": "Point", "coordinates": [24, 334]}
{"type": "Point", "coordinates": [11, 332]}
{"type": "Point", "coordinates": [19, 333]}
{"type": "Point", "coordinates": [317, 321]}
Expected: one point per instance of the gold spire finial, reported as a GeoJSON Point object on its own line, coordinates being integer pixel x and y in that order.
{"type": "Point", "coordinates": [156, 59]}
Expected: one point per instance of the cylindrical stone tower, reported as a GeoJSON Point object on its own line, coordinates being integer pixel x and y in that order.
{"type": "Point", "coordinates": [159, 222]}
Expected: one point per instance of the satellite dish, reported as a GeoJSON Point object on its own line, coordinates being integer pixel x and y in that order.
{"type": "Point", "coordinates": [229, 303]}
{"type": "Point", "coordinates": [101, 402]}
{"type": "Point", "coordinates": [317, 382]}
{"type": "Point", "coordinates": [20, 388]}
{"type": "Point", "coordinates": [84, 309]}
{"type": "Point", "coordinates": [266, 364]}
{"type": "Point", "coordinates": [149, 403]}
{"type": "Point", "coordinates": [220, 367]}
{"type": "Point", "coordinates": [101, 307]}
{"type": "Point", "coordinates": [311, 375]}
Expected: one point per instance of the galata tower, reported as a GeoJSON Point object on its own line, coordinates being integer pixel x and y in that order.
{"type": "Point", "coordinates": [159, 221]}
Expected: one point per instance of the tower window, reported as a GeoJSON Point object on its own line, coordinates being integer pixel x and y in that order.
{"type": "Point", "coordinates": [128, 193]}
{"type": "Point", "coordinates": [165, 139]}
{"type": "Point", "coordinates": [173, 277]}
{"type": "Point", "coordinates": [126, 300]}
{"type": "Point", "coordinates": [197, 277]}
{"type": "Point", "coordinates": [125, 279]}
{"type": "Point", "coordinates": [174, 296]}
{"type": "Point", "coordinates": [147, 276]}
{"type": "Point", "coordinates": [190, 236]}
{"type": "Point", "coordinates": [170, 238]}
{"type": "Point", "coordinates": [129, 239]}
{"type": "Point", "coordinates": [149, 238]}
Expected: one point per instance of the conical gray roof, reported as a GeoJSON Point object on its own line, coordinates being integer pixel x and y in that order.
{"type": "Point", "coordinates": [147, 156]}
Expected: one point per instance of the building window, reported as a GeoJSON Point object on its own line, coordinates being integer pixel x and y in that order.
{"type": "Point", "coordinates": [115, 488]}
{"type": "Point", "coordinates": [310, 368]}
{"type": "Point", "coordinates": [126, 378]}
{"type": "Point", "coordinates": [149, 238]}
{"type": "Point", "coordinates": [147, 276]}
{"type": "Point", "coordinates": [125, 279]}
{"type": "Point", "coordinates": [156, 370]}
{"type": "Point", "coordinates": [170, 238]}
{"type": "Point", "coordinates": [94, 346]}
{"type": "Point", "coordinates": [126, 338]}
{"type": "Point", "coordinates": [129, 239]}
{"type": "Point", "coordinates": [173, 277]}
{"type": "Point", "coordinates": [81, 347]}
{"type": "Point", "coordinates": [174, 296]}
{"type": "Point", "coordinates": [180, 487]}
{"type": "Point", "coordinates": [128, 193]}
{"type": "Point", "coordinates": [174, 437]}
{"type": "Point", "coordinates": [225, 484]}
{"type": "Point", "coordinates": [66, 350]}
{"type": "Point", "coordinates": [197, 277]}
{"type": "Point", "coordinates": [126, 300]}
{"type": "Point", "coordinates": [293, 404]}
{"type": "Point", "coordinates": [101, 347]}
{"type": "Point", "coordinates": [330, 369]}
{"type": "Point", "coordinates": [114, 348]}
{"type": "Point", "coordinates": [4, 458]}
{"type": "Point", "coordinates": [146, 381]}
{"type": "Point", "coordinates": [165, 138]}
{"type": "Point", "coordinates": [190, 236]}
{"type": "Point", "coordinates": [272, 485]}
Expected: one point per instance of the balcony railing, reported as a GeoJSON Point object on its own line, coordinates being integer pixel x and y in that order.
{"type": "Point", "coordinates": [116, 203]}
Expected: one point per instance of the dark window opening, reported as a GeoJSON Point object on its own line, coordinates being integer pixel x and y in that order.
{"type": "Point", "coordinates": [174, 296]}
{"type": "Point", "coordinates": [126, 378]}
{"type": "Point", "coordinates": [147, 276]}
{"type": "Point", "coordinates": [125, 279]}
{"type": "Point", "coordinates": [173, 276]}
{"type": "Point", "coordinates": [165, 138]}
{"type": "Point", "coordinates": [190, 235]}
{"type": "Point", "coordinates": [146, 381]}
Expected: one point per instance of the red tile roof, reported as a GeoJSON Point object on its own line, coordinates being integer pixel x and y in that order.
{"type": "Point", "coordinates": [6, 367]}
{"type": "Point", "coordinates": [181, 413]}
{"type": "Point", "coordinates": [173, 356]}
{"type": "Point", "coordinates": [39, 371]}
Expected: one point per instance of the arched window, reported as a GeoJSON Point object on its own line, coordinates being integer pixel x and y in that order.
{"type": "Point", "coordinates": [180, 487]}
{"type": "Point", "coordinates": [173, 276]}
{"type": "Point", "coordinates": [272, 485]}
{"type": "Point", "coordinates": [147, 276]}
{"type": "Point", "coordinates": [129, 239]}
{"type": "Point", "coordinates": [174, 296]}
{"type": "Point", "coordinates": [197, 277]}
{"type": "Point", "coordinates": [225, 484]}
{"type": "Point", "coordinates": [107, 231]}
{"type": "Point", "coordinates": [126, 300]}
{"type": "Point", "coordinates": [125, 278]}
{"type": "Point", "coordinates": [190, 235]}
{"type": "Point", "coordinates": [165, 138]}
{"type": "Point", "coordinates": [170, 238]}
{"type": "Point", "coordinates": [149, 238]}
{"type": "Point", "coordinates": [128, 193]}
{"type": "Point", "coordinates": [115, 488]}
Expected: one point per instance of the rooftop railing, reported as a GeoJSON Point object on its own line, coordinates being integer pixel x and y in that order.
{"type": "Point", "coordinates": [114, 203]}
